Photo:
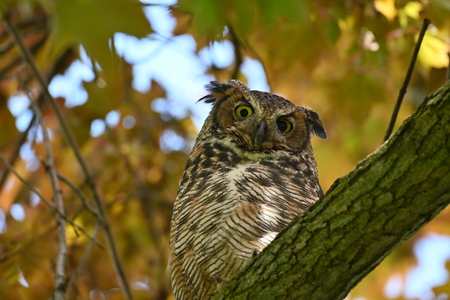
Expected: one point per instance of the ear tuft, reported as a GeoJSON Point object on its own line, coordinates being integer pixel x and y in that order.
{"type": "Point", "coordinates": [315, 124]}
{"type": "Point", "coordinates": [219, 90]}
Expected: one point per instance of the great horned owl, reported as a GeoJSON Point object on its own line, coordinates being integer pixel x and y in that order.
{"type": "Point", "coordinates": [252, 170]}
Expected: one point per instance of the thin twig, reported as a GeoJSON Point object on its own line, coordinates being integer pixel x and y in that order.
{"type": "Point", "coordinates": [48, 203]}
{"type": "Point", "coordinates": [16, 150]}
{"type": "Point", "coordinates": [23, 137]}
{"type": "Point", "coordinates": [71, 201]}
{"type": "Point", "coordinates": [60, 272]}
{"type": "Point", "coordinates": [80, 195]}
{"type": "Point", "coordinates": [81, 263]}
{"type": "Point", "coordinates": [257, 57]}
{"type": "Point", "coordinates": [237, 53]}
{"type": "Point", "coordinates": [34, 21]}
{"type": "Point", "coordinates": [402, 91]}
{"type": "Point", "coordinates": [11, 254]}
{"type": "Point", "coordinates": [5, 47]}
{"type": "Point", "coordinates": [17, 60]}
{"type": "Point", "coordinates": [28, 57]}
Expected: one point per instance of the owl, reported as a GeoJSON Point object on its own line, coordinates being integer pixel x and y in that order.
{"type": "Point", "coordinates": [251, 171]}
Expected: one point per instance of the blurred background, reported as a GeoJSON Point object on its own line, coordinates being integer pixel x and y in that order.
{"type": "Point", "coordinates": [127, 76]}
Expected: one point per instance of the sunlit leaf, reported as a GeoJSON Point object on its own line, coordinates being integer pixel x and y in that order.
{"type": "Point", "coordinates": [413, 9]}
{"type": "Point", "coordinates": [387, 8]}
{"type": "Point", "coordinates": [433, 52]}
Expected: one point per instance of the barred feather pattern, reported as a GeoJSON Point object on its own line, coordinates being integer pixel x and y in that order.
{"type": "Point", "coordinates": [233, 200]}
{"type": "Point", "coordinates": [226, 209]}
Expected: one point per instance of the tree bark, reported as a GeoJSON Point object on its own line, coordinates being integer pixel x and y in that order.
{"type": "Point", "coordinates": [365, 215]}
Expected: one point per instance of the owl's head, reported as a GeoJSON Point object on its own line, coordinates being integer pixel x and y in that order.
{"type": "Point", "coordinates": [258, 121]}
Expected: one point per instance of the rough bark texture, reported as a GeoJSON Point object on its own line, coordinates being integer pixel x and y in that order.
{"type": "Point", "coordinates": [365, 215]}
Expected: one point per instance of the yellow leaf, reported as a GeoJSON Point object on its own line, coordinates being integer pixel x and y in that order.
{"type": "Point", "coordinates": [412, 9]}
{"type": "Point", "coordinates": [387, 8]}
{"type": "Point", "coordinates": [433, 52]}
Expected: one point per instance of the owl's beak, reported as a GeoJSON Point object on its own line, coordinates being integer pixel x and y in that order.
{"type": "Point", "coordinates": [260, 133]}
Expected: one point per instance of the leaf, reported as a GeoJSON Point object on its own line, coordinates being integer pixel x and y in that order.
{"type": "Point", "coordinates": [293, 10]}
{"type": "Point", "coordinates": [445, 288]}
{"type": "Point", "coordinates": [387, 8]}
{"type": "Point", "coordinates": [6, 121]}
{"type": "Point", "coordinates": [413, 9]}
{"type": "Point", "coordinates": [208, 16]}
{"type": "Point", "coordinates": [93, 24]}
{"type": "Point", "coordinates": [433, 52]}
{"type": "Point", "coordinates": [243, 19]}
{"type": "Point", "coordinates": [439, 11]}
{"type": "Point", "coordinates": [331, 27]}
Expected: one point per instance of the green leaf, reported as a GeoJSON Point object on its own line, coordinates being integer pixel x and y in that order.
{"type": "Point", "coordinates": [208, 16]}
{"type": "Point", "coordinates": [293, 10]}
{"type": "Point", "coordinates": [439, 11]}
{"type": "Point", "coordinates": [93, 24]}
{"type": "Point", "coordinates": [332, 30]}
{"type": "Point", "coordinates": [243, 19]}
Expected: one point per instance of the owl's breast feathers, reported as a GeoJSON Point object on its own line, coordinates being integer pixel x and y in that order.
{"type": "Point", "coordinates": [230, 205]}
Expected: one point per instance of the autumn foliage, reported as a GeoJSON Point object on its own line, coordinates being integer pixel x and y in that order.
{"type": "Point", "coordinates": [346, 59]}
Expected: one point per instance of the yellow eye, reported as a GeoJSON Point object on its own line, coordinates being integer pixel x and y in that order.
{"type": "Point", "coordinates": [284, 125]}
{"type": "Point", "coordinates": [243, 111]}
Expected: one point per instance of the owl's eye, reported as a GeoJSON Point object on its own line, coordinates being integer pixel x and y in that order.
{"type": "Point", "coordinates": [243, 111]}
{"type": "Point", "coordinates": [284, 125]}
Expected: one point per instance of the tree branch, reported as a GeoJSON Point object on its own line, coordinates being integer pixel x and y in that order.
{"type": "Point", "coordinates": [237, 52]}
{"type": "Point", "coordinates": [23, 136]}
{"type": "Point", "coordinates": [48, 203]}
{"type": "Point", "coordinates": [80, 195]}
{"type": "Point", "coordinates": [16, 150]}
{"type": "Point", "coordinates": [402, 91]}
{"type": "Point", "coordinates": [81, 263]}
{"type": "Point", "coordinates": [365, 215]}
{"type": "Point", "coordinates": [27, 245]}
{"type": "Point", "coordinates": [60, 274]}
{"type": "Point", "coordinates": [72, 143]}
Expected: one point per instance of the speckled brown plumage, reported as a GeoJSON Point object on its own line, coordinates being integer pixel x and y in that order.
{"type": "Point", "coordinates": [245, 180]}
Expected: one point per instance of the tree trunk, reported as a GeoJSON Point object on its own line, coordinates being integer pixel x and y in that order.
{"type": "Point", "coordinates": [365, 215]}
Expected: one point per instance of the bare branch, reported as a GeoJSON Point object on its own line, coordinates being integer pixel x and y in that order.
{"type": "Point", "coordinates": [5, 47]}
{"type": "Point", "coordinates": [60, 274]}
{"type": "Point", "coordinates": [402, 91]}
{"type": "Point", "coordinates": [237, 52]}
{"type": "Point", "coordinates": [49, 204]}
{"type": "Point", "coordinates": [28, 57]}
{"type": "Point", "coordinates": [11, 254]}
{"type": "Point", "coordinates": [34, 22]}
{"type": "Point", "coordinates": [17, 60]}
{"type": "Point", "coordinates": [16, 150]}
{"type": "Point", "coordinates": [80, 195]}
{"type": "Point", "coordinates": [23, 137]}
{"type": "Point", "coordinates": [76, 274]}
